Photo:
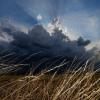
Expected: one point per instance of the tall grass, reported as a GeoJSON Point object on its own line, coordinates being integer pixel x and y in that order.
{"type": "Point", "coordinates": [82, 84]}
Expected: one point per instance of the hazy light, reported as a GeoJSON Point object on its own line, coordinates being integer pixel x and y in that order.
{"type": "Point", "coordinates": [73, 15]}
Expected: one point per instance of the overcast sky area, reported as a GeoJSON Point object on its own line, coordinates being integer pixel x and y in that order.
{"type": "Point", "coordinates": [80, 17]}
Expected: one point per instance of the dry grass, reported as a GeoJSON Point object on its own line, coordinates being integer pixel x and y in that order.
{"type": "Point", "coordinates": [79, 85]}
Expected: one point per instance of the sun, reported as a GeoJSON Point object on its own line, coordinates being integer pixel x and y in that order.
{"type": "Point", "coordinates": [39, 17]}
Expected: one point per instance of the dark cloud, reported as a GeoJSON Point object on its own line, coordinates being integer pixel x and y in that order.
{"type": "Point", "coordinates": [38, 44]}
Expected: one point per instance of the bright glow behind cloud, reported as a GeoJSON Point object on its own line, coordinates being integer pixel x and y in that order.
{"type": "Point", "coordinates": [73, 14]}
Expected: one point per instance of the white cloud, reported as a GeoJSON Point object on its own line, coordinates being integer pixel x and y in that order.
{"type": "Point", "coordinates": [93, 44]}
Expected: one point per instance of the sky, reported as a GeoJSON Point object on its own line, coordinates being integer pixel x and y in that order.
{"type": "Point", "coordinates": [80, 17]}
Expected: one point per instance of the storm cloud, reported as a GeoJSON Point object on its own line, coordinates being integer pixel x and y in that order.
{"type": "Point", "coordinates": [38, 44]}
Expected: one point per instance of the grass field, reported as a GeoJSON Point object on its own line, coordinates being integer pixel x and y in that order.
{"type": "Point", "coordinates": [82, 84]}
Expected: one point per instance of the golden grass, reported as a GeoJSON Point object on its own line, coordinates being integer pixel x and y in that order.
{"type": "Point", "coordinates": [80, 85]}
